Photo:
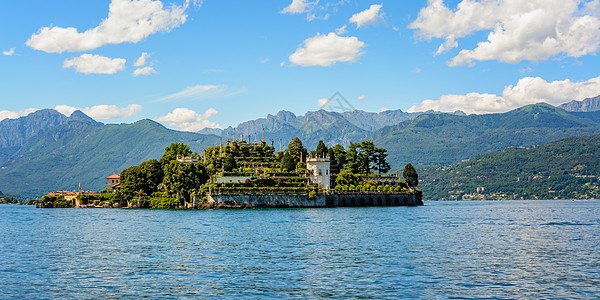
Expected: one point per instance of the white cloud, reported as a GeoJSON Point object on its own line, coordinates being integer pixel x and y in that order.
{"type": "Point", "coordinates": [341, 30]}
{"type": "Point", "coordinates": [518, 30]}
{"type": "Point", "coordinates": [7, 114]}
{"type": "Point", "coordinates": [361, 97]}
{"type": "Point", "coordinates": [383, 109]}
{"type": "Point", "coordinates": [296, 7]}
{"type": "Point", "coordinates": [128, 21]}
{"type": "Point", "coordinates": [326, 50]}
{"type": "Point", "coordinates": [528, 90]}
{"type": "Point", "coordinates": [372, 15]}
{"type": "Point", "coordinates": [526, 70]}
{"type": "Point", "coordinates": [448, 45]}
{"type": "Point", "coordinates": [142, 60]}
{"type": "Point", "coordinates": [188, 120]}
{"type": "Point", "coordinates": [95, 64]}
{"type": "Point", "coordinates": [264, 60]}
{"type": "Point", "coordinates": [195, 91]}
{"type": "Point", "coordinates": [102, 112]}
{"type": "Point", "coordinates": [10, 52]}
{"type": "Point", "coordinates": [317, 9]}
{"type": "Point", "coordinates": [144, 71]}
{"type": "Point", "coordinates": [592, 8]}
{"type": "Point", "coordinates": [323, 102]}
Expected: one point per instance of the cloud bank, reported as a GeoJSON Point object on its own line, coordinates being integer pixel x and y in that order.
{"type": "Point", "coordinates": [188, 120]}
{"type": "Point", "coordinates": [296, 7]}
{"type": "Point", "coordinates": [9, 52]}
{"type": "Point", "coordinates": [7, 114]}
{"type": "Point", "coordinates": [327, 50]}
{"type": "Point", "coordinates": [95, 64]}
{"type": "Point", "coordinates": [127, 21]}
{"type": "Point", "coordinates": [518, 30]}
{"type": "Point", "coordinates": [528, 90]}
{"type": "Point", "coordinates": [372, 15]}
{"type": "Point", "coordinates": [102, 112]}
{"type": "Point", "coordinates": [145, 71]}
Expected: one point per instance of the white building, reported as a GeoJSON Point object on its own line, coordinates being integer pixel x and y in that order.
{"type": "Point", "coordinates": [319, 169]}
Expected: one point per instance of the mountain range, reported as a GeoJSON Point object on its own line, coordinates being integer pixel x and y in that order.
{"type": "Point", "coordinates": [330, 126]}
{"type": "Point", "coordinates": [47, 151]}
{"type": "Point", "coordinates": [565, 169]}
{"type": "Point", "coordinates": [446, 139]}
{"type": "Point", "coordinates": [586, 105]}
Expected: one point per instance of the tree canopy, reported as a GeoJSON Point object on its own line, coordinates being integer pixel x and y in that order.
{"type": "Point", "coordinates": [411, 176]}
{"type": "Point", "coordinates": [173, 151]}
{"type": "Point", "coordinates": [181, 178]}
{"type": "Point", "coordinates": [348, 178]}
{"type": "Point", "coordinates": [287, 162]}
{"type": "Point", "coordinates": [380, 161]}
{"type": "Point", "coordinates": [297, 150]}
{"type": "Point", "coordinates": [362, 158]}
{"type": "Point", "coordinates": [321, 150]}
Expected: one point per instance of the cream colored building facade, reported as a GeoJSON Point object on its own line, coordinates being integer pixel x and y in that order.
{"type": "Point", "coordinates": [319, 169]}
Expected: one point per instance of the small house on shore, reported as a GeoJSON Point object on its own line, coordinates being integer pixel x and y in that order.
{"type": "Point", "coordinates": [113, 181]}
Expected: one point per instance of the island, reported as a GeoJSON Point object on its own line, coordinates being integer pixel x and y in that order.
{"type": "Point", "coordinates": [239, 173]}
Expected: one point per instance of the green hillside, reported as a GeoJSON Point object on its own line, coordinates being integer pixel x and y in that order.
{"type": "Point", "coordinates": [60, 157]}
{"type": "Point", "coordinates": [564, 169]}
{"type": "Point", "coordinates": [441, 139]}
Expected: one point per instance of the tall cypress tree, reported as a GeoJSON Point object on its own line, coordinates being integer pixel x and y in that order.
{"type": "Point", "coordinates": [411, 176]}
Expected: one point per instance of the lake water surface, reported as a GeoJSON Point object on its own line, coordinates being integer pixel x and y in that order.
{"type": "Point", "coordinates": [490, 249]}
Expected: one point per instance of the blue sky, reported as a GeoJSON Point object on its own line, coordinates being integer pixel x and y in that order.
{"type": "Point", "coordinates": [218, 63]}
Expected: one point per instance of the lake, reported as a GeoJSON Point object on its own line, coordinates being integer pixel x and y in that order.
{"type": "Point", "coordinates": [468, 249]}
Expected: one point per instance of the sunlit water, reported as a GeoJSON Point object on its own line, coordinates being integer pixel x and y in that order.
{"type": "Point", "coordinates": [494, 249]}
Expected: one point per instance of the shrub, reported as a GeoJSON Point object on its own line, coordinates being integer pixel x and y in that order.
{"type": "Point", "coordinates": [164, 203]}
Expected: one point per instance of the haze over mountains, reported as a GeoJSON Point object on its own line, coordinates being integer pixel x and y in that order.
{"type": "Point", "coordinates": [47, 151]}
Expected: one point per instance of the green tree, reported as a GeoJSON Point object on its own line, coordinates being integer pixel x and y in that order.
{"type": "Point", "coordinates": [174, 150]}
{"type": "Point", "coordinates": [142, 179]}
{"type": "Point", "coordinates": [321, 150]}
{"type": "Point", "coordinates": [348, 178]}
{"type": "Point", "coordinates": [340, 155]}
{"type": "Point", "coordinates": [151, 173]}
{"type": "Point", "coordinates": [380, 160]}
{"type": "Point", "coordinates": [296, 150]}
{"type": "Point", "coordinates": [181, 178]}
{"type": "Point", "coordinates": [365, 154]}
{"type": "Point", "coordinates": [334, 165]}
{"type": "Point", "coordinates": [287, 162]}
{"type": "Point", "coordinates": [411, 176]}
{"type": "Point", "coordinates": [132, 181]}
{"type": "Point", "coordinates": [352, 158]}
{"type": "Point", "coordinates": [229, 163]}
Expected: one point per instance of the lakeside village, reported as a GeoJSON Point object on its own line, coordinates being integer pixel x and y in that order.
{"type": "Point", "coordinates": [242, 174]}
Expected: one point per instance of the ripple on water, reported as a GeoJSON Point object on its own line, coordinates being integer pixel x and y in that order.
{"type": "Point", "coordinates": [512, 249]}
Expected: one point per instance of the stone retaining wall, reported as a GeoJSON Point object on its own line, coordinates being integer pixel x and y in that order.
{"type": "Point", "coordinates": [321, 200]}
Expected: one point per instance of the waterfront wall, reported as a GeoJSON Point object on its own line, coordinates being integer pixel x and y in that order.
{"type": "Point", "coordinates": [320, 200]}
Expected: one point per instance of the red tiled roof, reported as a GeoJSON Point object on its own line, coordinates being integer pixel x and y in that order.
{"type": "Point", "coordinates": [114, 176]}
